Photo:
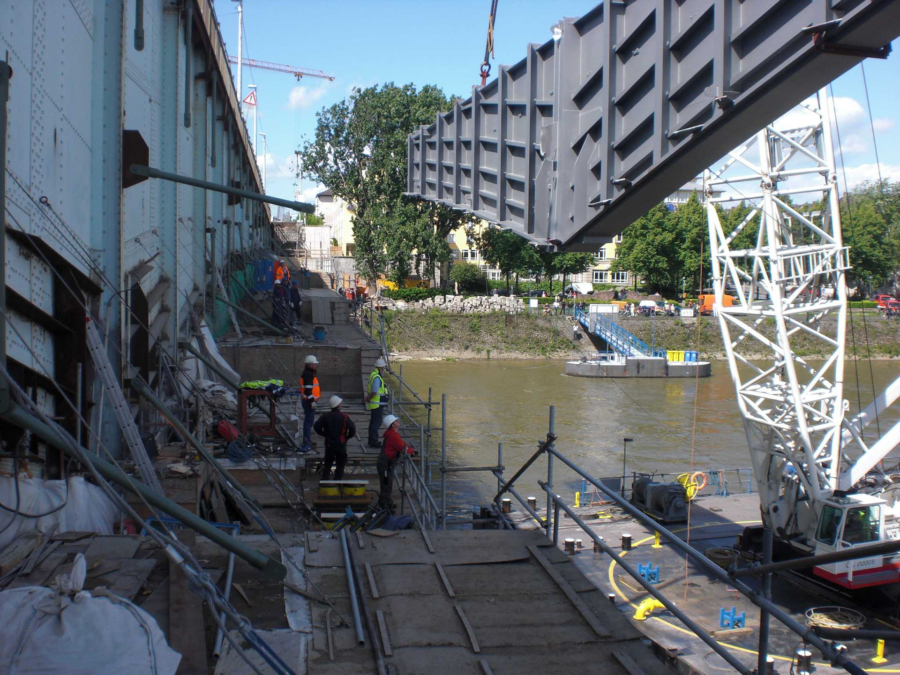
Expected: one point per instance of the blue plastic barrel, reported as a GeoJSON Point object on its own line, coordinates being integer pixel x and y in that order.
{"type": "Point", "coordinates": [263, 278]}
{"type": "Point", "coordinates": [319, 333]}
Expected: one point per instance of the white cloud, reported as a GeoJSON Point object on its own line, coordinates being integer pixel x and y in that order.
{"type": "Point", "coordinates": [868, 172]}
{"type": "Point", "coordinates": [302, 96]}
{"type": "Point", "coordinates": [309, 193]}
{"type": "Point", "coordinates": [883, 125]}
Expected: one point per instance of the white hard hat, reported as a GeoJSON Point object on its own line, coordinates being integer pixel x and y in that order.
{"type": "Point", "coordinates": [311, 359]}
{"type": "Point", "coordinates": [278, 282]}
{"type": "Point", "coordinates": [389, 420]}
{"type": "Point", "coordinates": [335, 401]}
{"type": "Point", "coordinates": [380, 363]}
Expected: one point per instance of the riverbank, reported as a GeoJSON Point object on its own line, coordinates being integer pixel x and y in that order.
{"type": "Point", "coordinates": [435, 335]}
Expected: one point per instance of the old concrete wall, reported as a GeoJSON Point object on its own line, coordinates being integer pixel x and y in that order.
{"type": "Point", "coordinates": [339, 367]}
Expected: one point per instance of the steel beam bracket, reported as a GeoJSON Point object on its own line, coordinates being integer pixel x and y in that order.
{"type": "Point", "coordinates": [820, 40]}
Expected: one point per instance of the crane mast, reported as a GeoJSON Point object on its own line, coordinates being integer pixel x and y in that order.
{"type": "Point", "coordinates": [786, 267]}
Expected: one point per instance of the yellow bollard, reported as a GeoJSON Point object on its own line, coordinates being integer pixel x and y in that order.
{"type": "Point", "coordinates": [879, 653]}
{"type": "Point", "coordinates": [577, 499]}
{"type": "Point", "coordinates": [646, 607]}
{"type": "Point", "coordinates": [656, 541]}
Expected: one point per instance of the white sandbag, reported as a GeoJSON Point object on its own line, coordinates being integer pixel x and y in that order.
{"type": "Point", "coordinates": [87, 508]}
{"type": "Point", "coordinates": [67, 630]}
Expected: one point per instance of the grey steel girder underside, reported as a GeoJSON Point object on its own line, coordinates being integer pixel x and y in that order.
{"type": "Point", "coordinates": [650, 92]}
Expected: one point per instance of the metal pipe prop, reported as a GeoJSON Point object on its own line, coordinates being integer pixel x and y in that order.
{"type": "Point", "coordinates": [141, 388]}
{"type": "Point", "coordinates": [717, 572]}
{"type": "Point", "coordinates": [220, 634]}
{"type": "Point", "coordinates": [351, 585]}
{"type": "Point", "coordinates": [269, 567]}
{"type": "Point", "coordinates": [212, 365]}
{"type": "Point", "coordinates": [150, 172]}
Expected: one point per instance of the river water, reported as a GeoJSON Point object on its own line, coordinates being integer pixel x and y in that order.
{"type": "Point", "coordinates": [675, 423]}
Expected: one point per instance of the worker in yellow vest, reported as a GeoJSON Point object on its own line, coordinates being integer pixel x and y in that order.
{"type": "Point", "coordinates": [309, 394]}
{"type": "Point", "coordinates": [376, 401]}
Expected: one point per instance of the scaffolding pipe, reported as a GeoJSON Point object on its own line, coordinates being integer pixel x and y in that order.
{"type": "Point", "coordinates": [550, 434]}
{"type": "Point", "coordinates": [5, 75]}
{"type": "Point", "coordinates": [881, 548]}
{"type": "Point", "coordinates": [443, 460]}
{"type": "Point", "coordinates": [141, 388]}
{"type": "Point", "coordinates": [351, 586]}
{"type": "Point", "coordinates": [271, 568]}
{"type": "Point", "coordinates": [715, 571]}
{"type": "Point", "coordinates": [370, 629]}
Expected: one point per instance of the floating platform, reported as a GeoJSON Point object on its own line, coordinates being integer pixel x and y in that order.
{"type": "Point", "coordinates": [718, 521]}
{"type": "Point", "coordinates": [638, 366]}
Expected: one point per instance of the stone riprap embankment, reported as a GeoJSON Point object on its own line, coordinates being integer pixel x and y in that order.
{"type": "Point", "coordinates": [457, 304]}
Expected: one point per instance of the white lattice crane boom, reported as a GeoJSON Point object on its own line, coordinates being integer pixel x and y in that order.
{"type": "Point", "coordinates": [299, 73]}
{"type": "Point", "coordinates": [788, 276]}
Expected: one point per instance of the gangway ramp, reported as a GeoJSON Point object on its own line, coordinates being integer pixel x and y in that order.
{"type": "Point", "coordinates": [617, 337]}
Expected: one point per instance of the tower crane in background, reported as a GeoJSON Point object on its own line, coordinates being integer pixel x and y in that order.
{"type": "Point", "coordinates": [299, 73]}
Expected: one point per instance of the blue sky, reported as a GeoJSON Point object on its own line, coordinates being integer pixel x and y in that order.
{"type": "Point", "coordinates": [441, 42]}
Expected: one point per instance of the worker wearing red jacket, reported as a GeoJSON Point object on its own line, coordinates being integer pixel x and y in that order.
{"type": "Point", "coordinates": [392, 448]}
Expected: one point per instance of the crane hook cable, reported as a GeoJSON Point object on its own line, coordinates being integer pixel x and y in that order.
{"type": "Point", "coordinates": [485, 69]}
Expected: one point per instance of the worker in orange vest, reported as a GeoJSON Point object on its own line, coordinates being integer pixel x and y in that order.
{"type": "Point", "coordinates": [287, 274]}
{"type": "Point", "coordinates": [280, 270]}
{"type": "Point", "coordinates": [309, 394]}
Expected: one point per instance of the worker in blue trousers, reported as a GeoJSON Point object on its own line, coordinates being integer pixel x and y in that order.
{"type": "Point", "coordinates": [309, 394]}
{"type": "Point", "coordinates": [376, 400]}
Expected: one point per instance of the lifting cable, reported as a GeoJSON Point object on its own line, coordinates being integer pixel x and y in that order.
{"type": "Point", "coordinates": [489, 44]}
{"type": "Point", "coordinates": [853, 232]}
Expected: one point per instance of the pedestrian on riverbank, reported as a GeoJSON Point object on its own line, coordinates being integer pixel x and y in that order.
{"type": "Point", "coordinates": [392, 448]}
{"type": "Point", "coordinates": [309, 395]}
{"type": "Point", "coordinates": [337, 428]}
{"type": "Point", "coordinates": [376, 400]}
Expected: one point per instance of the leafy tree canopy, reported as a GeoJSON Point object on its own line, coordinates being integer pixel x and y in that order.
{"type": "Point", "coordinates": [359, 152]}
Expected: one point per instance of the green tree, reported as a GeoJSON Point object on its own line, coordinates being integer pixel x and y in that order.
{"type": "Point", "coordinates": [866, 233]}
{"type": "Point", "coordinates": [649, 249]}
{"type": "Point", "coordinates": [692, 232]}
{"type": "Point", "coordinates": [467, 276]}
{"type": "Point", "coordinates": [359, 151]}
{"type": "Point", "coordinates": [572, 263]}
{"type": "Point", "coordinates": [503, 249]}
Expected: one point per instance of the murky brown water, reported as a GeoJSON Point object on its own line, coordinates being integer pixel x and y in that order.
{"type": "Point", "coordinates": [508, 401]}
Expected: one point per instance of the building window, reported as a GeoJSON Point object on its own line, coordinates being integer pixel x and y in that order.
{"type": "Point", "coordinates": [601, 276]}
{"type": "Point", "coordinates": [465, 254]}
{"type": "Point", "coordinates": [620, 277]}
{"type": "Point", "coordinates": [451, 238]}
{"type": "Point", "coordinates": [454, 254]}
{"type": "Point", "coordinates": [601, 255]}
{"type": "Point", "coordinates": [474, 254]}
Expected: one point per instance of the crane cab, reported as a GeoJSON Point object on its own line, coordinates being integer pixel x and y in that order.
{"type": "Point", "coordinates": [855, 521]}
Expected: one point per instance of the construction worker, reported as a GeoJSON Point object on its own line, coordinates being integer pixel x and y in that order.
{"type": "Point", "coordinates": [376, 400]}
{"type": "Point", "coordinates": [287, 274]}
{"type": "Point", "coordinates": [309, 394]}
{"type": "Point", "coordinates": [392, 448]}
{"type": "Point", "coordinates": [296, 302]}
{"type": "Point", "coordinates": [337, 428]}
{"type": "Point", "coordinates": [279, 304]}
{"type": "Point", "coordinates": [279, 272]}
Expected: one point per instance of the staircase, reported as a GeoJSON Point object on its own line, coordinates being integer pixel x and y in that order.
{"type": "Point", "coordinates": [605, 327]}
